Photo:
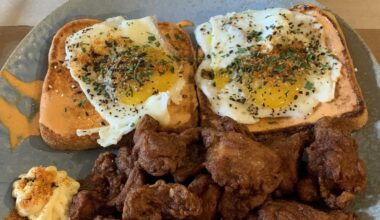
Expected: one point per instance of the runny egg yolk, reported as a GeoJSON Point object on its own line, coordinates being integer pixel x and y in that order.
{"type": "Point", "coordinates": [272, 94]}
{"type": "Point", "coordinates": [133, 72]}
{"type": "Point", "coordinates": [268, 80]}
{"type": "Point", "coordinates": [221, 80]}
{"type": "Point", "coordinates": [276, 94]}
{"type": "Point", "coordinates": [164, 76]}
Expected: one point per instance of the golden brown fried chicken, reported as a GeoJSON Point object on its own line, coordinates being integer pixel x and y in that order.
{"type": "Point", "coordinates": [228, 124]}
{"type": "Point", "coordinates": [209, 192]}
{"type": "Point", "coordinates": [86, 205]}
{"type": "Point", "coordinates": [307, 190]}
{"type": "Point", "coordinates": [289, 149]}
{"type": "Point", "coordinates": [192, 163]}
{"type": "Point", "coordinates": [247, 170]}
{"type": "Point", "coordinates": [333, 160]}
{"type": "Point", "coordinates": [136, 178]}
{"type": "Point", "coordinates": [106, 166]}
{"type": "Point", "coordinates": [161, 200]}
{"type": "Point", "coordinates": [124, 160]}
{"type": "Point", "coordinates": [100, 217]}
{"type": "Point", "coordinates": [240, 164]}
{"type": "Point", "coordinates": [99, 189]}
{"type": "Point", "coordinates": [233, 206]}
{"type": "Point", "coordinates": [289, 210]}
{"type": "Point", "coordinates": [159, 153]}
{"type": "Point", "coordinates": [105, 178]}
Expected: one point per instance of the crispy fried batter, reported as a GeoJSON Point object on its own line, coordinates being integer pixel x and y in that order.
{"type": "Point", "coordinates": [136, 178]}
{"type": "Point", "coordinates": [334, 161]}
{"type": "Point", "coordinates": [159, 153]}
{"type": "Point", "coordinates": [285, 210]}
{"type": "Point", "coordinates": [289, 149]}
{"type": "Point", "coordinates": [232, 205]}
{"type": "Point", "coordinates": [209, 192]}
{"type": "Point", "coordinates": [105, 167]}
{"type": "Point", "coordinates": [87, 204]}
{"type": "Point", "coordinates": [307, 190]}
{"type": "Point", "coordinates": [227, 124]}
{"type": "Point", "coordinates": [124, 160]}
{"type": "Point", "coordinates": [238, 163]}
{"type": "Point", "coordinates": [161, 200]}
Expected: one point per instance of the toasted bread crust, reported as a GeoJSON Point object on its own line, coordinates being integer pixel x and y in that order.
{"type": "Point", "coordinates": [184, 115]}
{"type": "Point", "coordinates": [358, 118]}
{"type": "Point", "coordinates": [62, 108]}
{"type": "Point", "coordinates": [58, 82]}
{"type": "Point", "coordinates": [267, 126]}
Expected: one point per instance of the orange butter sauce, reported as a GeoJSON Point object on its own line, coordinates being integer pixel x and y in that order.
{"type": "Point", "coordinates": [185, 23]}
{"type": "Point", "coordinates": [18, 124]}
{"type": "Point", "coordinates": [31, 89]}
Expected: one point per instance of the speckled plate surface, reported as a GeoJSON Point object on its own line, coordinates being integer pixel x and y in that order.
{"type": "Point", "coordinates": [29, 62]}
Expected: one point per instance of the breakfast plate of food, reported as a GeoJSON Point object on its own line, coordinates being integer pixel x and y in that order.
{"type": "Point", "coordinates": [245, 109]}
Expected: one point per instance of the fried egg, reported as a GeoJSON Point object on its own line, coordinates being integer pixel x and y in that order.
{"type": "Point", "coordinates": [268, 63]}
{"type": "Point", "coordinates": [44, 193]}
{"type": "Point", "coordinates": [126, 69]}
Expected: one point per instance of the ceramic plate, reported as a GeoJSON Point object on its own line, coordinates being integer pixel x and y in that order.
{"type": "Point", "coordinates": [29, 62]}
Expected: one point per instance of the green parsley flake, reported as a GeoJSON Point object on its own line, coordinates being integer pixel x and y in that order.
{"type": "Point", "coordinates": [241, 50]}
{"type": "Point", "coordinates": [309, 58]}
{"type": "Point", "coordinates": [82, 102]}
{"type": "Point", "coordinates": [278, 68]}
{"type": "Point", "coordinates": [151, 39]}
{"type": "Point", "coordinates": [309, 85]}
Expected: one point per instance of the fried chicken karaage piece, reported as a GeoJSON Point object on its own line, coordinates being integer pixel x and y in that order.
{"type": "Point", "coordinates": [333, 160]}
{"type": "Point", "coordinates": [290, 210]}
{"type": "Point", "coordinates": [101, 186]}
{"type": "Point", "coordinates": [136, 178]}
{"type": "Point", "coordinates": [228, 124]}
{"type": "Point", "coordinates": [105, 167]}
{"type": "Point", "coordinates": [247, 170]}
{"type": "Point", "coordinates": [209, 192]}
{"type": "Point", "coordinates": [289, 149]}
{"type": "Point", "coordinates": [240, 164]}
{"type": "Point", "coordinates": [159, 153]}
{"type": "Point", "coordinates": [161, 201]}
{"type": "Point", "coordinates": [307, 190]}
{"type": "Point", "coordinates": [124, 160]}
{"type": "Point", "coordinates": [86, 205]}
{"type": "Point", "coordinates": [232, 205]}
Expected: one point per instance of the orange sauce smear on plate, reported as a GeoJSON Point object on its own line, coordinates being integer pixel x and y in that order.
{"type": "Point", "coordinates": [185, 23]}
{"type": "Point", "coordinates": [18, 125]}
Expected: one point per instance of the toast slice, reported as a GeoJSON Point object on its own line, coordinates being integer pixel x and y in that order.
{"type": "Point", "coordinates": [64, 109]}
{"type": "Point", "coordinates": [348, 104]}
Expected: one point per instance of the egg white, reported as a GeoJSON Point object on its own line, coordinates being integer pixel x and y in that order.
{"type": "Point", "coordinates": [122, 118]}
{"type": "Point", "coordinates": [221, 39]}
